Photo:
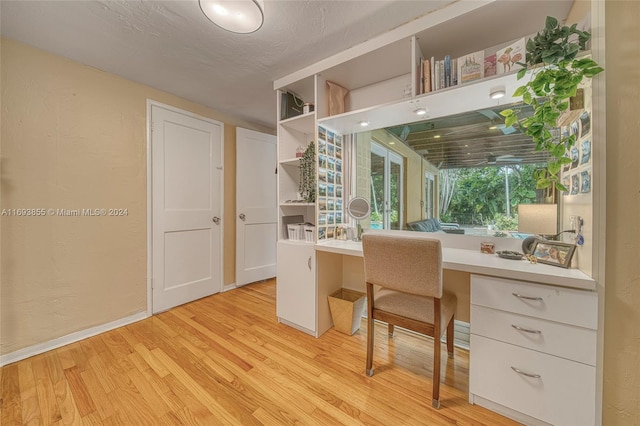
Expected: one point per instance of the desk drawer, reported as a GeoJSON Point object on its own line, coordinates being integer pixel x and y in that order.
{"type": "Point", "coordinates": [569, 306]}
{"type": "Point", "coordinates": [563, 340]}
{"type": "Point", "coordinates": [563, 394]}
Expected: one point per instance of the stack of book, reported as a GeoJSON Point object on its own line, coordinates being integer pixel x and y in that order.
{"type": "Point", "coordinates": [448, 72]}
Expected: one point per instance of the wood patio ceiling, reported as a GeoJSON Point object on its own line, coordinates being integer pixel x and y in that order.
{"type": "Point", "coordinates": [471, 139]}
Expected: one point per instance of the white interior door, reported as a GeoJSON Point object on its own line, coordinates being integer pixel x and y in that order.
{"type": "Point", "coordinates": [256, 206]}
{"type": "Point", "coordinates": [187, 195]}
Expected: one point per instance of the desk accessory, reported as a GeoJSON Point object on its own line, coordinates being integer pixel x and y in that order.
{"type": "Point", "coordinates": [508, 254]}
{"type": "Point", "coordinates": [359, 208]}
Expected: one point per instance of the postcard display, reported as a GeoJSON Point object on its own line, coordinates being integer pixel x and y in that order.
{"type": "Point", "coordinates": [576, 176]}
{"type": "Point", "coordinates": [330, 183]}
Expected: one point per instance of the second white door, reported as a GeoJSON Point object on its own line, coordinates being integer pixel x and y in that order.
{"type": "Point", "coordinates": [256, 206]}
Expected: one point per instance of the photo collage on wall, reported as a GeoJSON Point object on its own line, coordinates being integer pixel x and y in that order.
{"type": "Point", "coordinates": [330, 182]}
{"type": "Point", "coordinates": [576, 176]}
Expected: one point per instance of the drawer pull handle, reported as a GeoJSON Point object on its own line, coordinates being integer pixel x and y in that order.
{"type": "Point", "coordinates": [533, 376]}
{"type": "Point", "coordinates": [520, 296]}
{"type": "Point", "coordinates": [526, 330]}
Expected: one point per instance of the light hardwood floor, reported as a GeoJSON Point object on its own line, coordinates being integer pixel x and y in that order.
{"type": "Point", "coordinates": [224, 360]}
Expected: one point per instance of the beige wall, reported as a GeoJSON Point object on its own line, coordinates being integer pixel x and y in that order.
{"type": "Point", "coordinates": [75, 137]}
{"type": "Point", "coordinates": [621, 401]}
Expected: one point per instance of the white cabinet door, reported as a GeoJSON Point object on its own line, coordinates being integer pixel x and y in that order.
{"type": "Point", "coordinates": [296, 284]}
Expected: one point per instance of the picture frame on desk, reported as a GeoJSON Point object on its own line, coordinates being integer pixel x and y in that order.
{"type": "Point", "coordinates": [553, 253]}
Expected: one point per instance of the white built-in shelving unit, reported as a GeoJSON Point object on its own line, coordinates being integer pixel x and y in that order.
{"type": "Point", "coordinates": [382, 79]}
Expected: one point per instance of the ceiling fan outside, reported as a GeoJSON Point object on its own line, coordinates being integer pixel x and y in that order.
{"type": "Point", "coordinates": [497, 122]}
{"type": "Point", "coordinates": [507, 158]}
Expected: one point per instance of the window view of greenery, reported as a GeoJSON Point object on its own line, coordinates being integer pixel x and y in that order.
{"type": "Point", "coordinates": [487, 197]}
{"type": "Point", "coordinates": [377, 207]}
{"type": "Point", "coordinates": [386, 188]}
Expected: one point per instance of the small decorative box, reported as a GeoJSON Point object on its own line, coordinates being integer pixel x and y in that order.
{"type": "Point", "coordinates": [488, 248]}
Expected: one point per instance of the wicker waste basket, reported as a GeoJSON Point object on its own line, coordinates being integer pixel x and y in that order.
{"type": "Point", "coordinates": [347, 307]}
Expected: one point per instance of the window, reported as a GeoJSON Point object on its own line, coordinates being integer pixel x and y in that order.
{"type": "Point", "coordinates": [429, 192]}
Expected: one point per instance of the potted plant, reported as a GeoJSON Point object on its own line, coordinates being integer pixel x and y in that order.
{"type": "Point", "coordinates": [307, 186]}
{"type": "Point", "coordinates": [555, 74]}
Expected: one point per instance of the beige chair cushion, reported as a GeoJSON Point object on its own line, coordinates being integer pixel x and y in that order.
{"type": "Point", "coordinates": [419, 308]}
{"type": "Point", "coordinates": [412, 264]}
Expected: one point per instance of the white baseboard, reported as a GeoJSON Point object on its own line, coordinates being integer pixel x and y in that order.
{"type": "Point", "coordinates": [506, 411]}
{"type": "Point", "coordinates": [461, 334]}
{"type": "Point", "coordinates": [297, 327]}
{"type": "Point", "coordinates": [30, 351]}
{"type": "Point", "coordinates": [228, 287]}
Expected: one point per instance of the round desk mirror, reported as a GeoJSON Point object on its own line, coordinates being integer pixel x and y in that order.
{"type": "Point", "coordinates": [358, 208]}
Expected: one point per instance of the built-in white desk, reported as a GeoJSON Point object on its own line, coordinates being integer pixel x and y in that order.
{"type": "Point", "coordinates": [475, 262]}
{"type": "Point", "coordinates": [533, 328]}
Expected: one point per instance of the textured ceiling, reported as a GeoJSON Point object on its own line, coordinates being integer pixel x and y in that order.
{"type": "Point", "coordinates": [170, 45]}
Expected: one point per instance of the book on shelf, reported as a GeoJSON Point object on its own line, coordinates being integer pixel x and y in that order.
{"type": "Point", "coordinates": [490, 65]}
{"type": "Point", "coordinates": [426, 76]}
{"type": "Point", "coordinates": [447, 71]}
{"type": "Point", "coordinates": [419, 80]}
{"type": "Point", "coordinates": [507, 59]}
{"type": "Point", "coordinates": [432, 63]}
{"type": "Point", "coordinates": [471, 67]}
{"type": "Point", "coordinates": [454, 72]}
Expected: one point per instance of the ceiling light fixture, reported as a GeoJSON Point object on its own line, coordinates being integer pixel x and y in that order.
{"type": "Point", "coordinates": [419, 109]}
{"type": "Point", "coordinates": [237, 16]}
{"type": "Point", "coordinates": [497, 93]}
{"type": "Point", "coordinates": [364, 123]}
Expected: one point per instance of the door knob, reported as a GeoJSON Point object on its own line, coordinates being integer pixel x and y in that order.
{"type": "Point", "coordinates": [216, 220]}
{"type": "Point", "coordinates": [242, 216]}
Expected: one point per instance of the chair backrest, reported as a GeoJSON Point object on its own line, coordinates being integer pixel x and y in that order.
{"type": "Point", "coordinates": [405, 263]}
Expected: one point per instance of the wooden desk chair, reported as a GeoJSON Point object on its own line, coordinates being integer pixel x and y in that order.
{"type": "Point", "coordinates": [409, 271]}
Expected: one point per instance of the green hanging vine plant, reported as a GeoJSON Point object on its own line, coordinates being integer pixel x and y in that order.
{"type": "Point", "coordinates": [548, 91]}
{"type": "Point", "coordinates": [307, 186]}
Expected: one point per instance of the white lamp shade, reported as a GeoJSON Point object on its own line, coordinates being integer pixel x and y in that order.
{"type": "Point", "coordinates": [237, 16]}
{"type": "Point", "coordinates": [541, 219]}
